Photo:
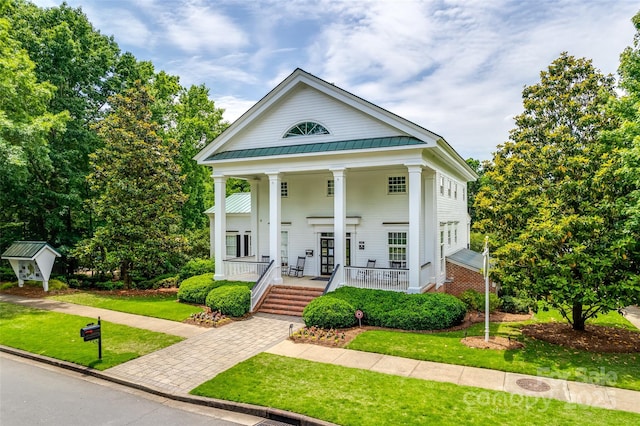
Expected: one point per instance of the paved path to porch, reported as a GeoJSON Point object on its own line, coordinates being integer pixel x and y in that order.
{"type": "Point", "coordinates": [181, 367]}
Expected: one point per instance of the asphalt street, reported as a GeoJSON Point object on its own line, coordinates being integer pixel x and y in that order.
{"type": "Point", "coordinates": [32, 394]}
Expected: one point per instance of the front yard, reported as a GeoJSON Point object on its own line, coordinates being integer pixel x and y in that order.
{"type": "Point", "coordinates": [57, 336]}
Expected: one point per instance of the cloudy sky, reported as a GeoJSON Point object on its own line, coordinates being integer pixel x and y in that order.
{"type": "Point", "coordinates": [456, 67]}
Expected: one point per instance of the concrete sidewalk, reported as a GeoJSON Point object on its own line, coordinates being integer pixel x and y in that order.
{"type": "Point", "coordinates": [138, 321]}
{"type": "Point", "coordinates": [537, 386]}
{"type": "Point", "coordinates": [206, 352]}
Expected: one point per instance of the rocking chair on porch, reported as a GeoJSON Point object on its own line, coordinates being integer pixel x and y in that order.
{"type": "Point", "coordinates": [298, 268]}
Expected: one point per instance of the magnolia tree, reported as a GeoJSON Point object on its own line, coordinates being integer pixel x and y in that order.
{"type": "Point", "coordinates": [551, 201]}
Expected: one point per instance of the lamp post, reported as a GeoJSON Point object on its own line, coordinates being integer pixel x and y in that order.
{"type": "Point", "coordinates": [485, 255]}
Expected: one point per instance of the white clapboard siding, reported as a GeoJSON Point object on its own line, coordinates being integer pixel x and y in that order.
{"type": "Point", "coordinates": [308, 104]}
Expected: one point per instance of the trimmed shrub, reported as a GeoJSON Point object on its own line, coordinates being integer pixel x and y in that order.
{"type": "Point", "coordinates": [196, 289]}
{"type": "Point", "coordinates": [474, 300]}
{"type": "Point", "coordinates": [197, 267]}
{"type": "Point", "coordinates": [248, 284]}
{"type": "Point", "coordinates": [329, 312]}
{"type": "Point", "coordinates": [515, 305]}
{"type": "Point", "coordinates": [232, 300]}
{"type": "Point", "coordinates": [427, 311]}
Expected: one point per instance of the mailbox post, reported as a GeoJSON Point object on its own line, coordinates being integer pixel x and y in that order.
{"type": "Point", "coordinates": [92, 332]}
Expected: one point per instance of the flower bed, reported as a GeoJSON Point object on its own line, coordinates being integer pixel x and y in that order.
{"type": "Point", "coordinates": [208, 318]}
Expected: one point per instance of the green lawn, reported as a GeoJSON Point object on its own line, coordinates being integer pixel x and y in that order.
{"type": "Point", "coordinates": [57, 336]}
{"type": "Point", "coordinates": [349, 396]}
{"type": "Point", "coordinates": [163, 306]}
{"type": "Point", "coordinates": [536, 358]}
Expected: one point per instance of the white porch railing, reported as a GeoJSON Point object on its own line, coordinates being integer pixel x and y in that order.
{"type": "Point", "coordinates": [244, 270]}
{"type": "Point", "coordinates": [262, 285]}
{"type": "Point", "coordinates": [376, 278]}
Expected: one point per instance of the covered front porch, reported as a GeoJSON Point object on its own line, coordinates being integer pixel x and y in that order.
{"type": "Point", "coordinates": [261, 272]}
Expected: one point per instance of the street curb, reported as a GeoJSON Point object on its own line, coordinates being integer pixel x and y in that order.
{"type": "Point", "coordinates": [238, 407]}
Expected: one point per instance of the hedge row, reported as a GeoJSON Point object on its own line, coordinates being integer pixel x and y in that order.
{"type": "Point", "coordinates": [231, 298]}
{"type": "Point", "coordinates": [428, 311]}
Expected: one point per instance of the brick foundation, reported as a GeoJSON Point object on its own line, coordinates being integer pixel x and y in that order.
{"type": "Point", "coordinates": [460, 279]}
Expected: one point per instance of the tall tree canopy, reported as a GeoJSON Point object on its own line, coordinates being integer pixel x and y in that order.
{"type": "Point", "coordinates": [81, 64]}
{"type": "Point", "coordinates": [61, 72]}
{"type": "Point", "coordinates": [558, 237]}
{"type": "Point", "coordinates": [25, 123]}
{"type": "Point", "coordinates": [139, 186]}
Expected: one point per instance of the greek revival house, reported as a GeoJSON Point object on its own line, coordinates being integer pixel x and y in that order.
{"type": "Point", "coordinates": [341, 188]}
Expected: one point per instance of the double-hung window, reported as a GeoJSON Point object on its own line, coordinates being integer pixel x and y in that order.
{"type": "Point", "coordinates": [397, 243]}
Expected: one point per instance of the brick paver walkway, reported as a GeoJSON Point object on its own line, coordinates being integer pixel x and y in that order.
{"type": "Point", "coordinates": [185, 365]}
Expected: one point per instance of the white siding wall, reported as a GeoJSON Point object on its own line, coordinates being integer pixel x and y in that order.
{"type": "Point", "coordinates": [367, 198]}
{"type": "Point", "coordinates": [307, 104]}
{"type": "Point", "coordinates": [452, 215]}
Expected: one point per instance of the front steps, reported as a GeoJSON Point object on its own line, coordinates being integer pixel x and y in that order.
{"type": "Point", "coordinates": [288, 300]}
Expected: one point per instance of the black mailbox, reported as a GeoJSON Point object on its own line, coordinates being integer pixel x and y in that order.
{"type": "Point", "coordinates": [90, 332]}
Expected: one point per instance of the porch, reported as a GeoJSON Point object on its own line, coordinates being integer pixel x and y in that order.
{"type": "Point", "coordinates": [278, 292]}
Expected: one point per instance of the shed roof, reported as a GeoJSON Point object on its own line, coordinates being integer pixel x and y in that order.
{"type": "Point", "coordinates": [237, 203]}
{"type": "Point", "coordinates": [26, 250]}
{"type": "Point", "coordinates": [467, 258]}
{"type": "Point", "coordinates": [348, 145]}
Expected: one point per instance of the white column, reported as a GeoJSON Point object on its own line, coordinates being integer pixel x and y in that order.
{"type": "Point", "coordinates": [255, 239]}
{"type": "Point", "coordinates": [212, 238]}
{"type": "Point", "coordinates": [220, 232]}
{"type": "Point", "coordinates": [339, 220]}
{"type": "Point", "coordinates": [415, 227]}
{"type": "Point", "coordinates": [275, 215]}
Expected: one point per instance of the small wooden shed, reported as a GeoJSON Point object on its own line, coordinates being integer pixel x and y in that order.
{"type": "Point", "coordinates": [31, 261]}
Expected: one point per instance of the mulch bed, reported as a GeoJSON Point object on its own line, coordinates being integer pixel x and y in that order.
{"type": "Point", "coordinates": [594, 339]}
{"type": "Point", "coordinates": [495, 342]}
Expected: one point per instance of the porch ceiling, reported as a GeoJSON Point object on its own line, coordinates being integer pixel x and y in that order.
{"type": "Point", "coordinates": [348, 145]}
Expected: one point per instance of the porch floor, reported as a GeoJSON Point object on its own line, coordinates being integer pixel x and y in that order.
{"type": "Point", "coordinates": [304, 281]}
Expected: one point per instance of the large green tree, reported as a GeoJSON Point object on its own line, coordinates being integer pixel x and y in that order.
{"type": "Point", "coordinates": [139, 191]}
{"type": "Point", "coordinates": [25, 123]}
{"type": "Point", "coordinates": [620, 175]}
{"type": "Point", "coordinates": [84, 67]}
{"type": "Point", "coordinates": [558, 236]}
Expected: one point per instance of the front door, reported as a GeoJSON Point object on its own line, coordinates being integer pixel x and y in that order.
{"type": "Point", "coordinates": [327, 260]}
{"type": "Point", "coordinates": [326, 255]}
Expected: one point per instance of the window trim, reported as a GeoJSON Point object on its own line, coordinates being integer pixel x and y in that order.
{"type": "Point", "coordinates": [307, 130]}
{"type": "Point", "coordinates": [284, 189]}
{"type": "Point", "coordinates": [331, 187]}
{"type": "Point", "coordinates": [402, 185]}
{"type": "Point", "coordinates": [400, 256]}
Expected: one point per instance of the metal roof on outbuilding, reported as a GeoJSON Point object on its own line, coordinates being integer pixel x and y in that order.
{"type": "Point", "coordinates": [26, 250]}
{"type": "Point", "coordinates": [467, 258]}
{"type": "Point", "coordinates": [348, 145]}
{"type": "Point", "coordinates": [237, 203]}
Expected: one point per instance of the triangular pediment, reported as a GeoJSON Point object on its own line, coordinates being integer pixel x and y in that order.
{"type": "Point", "coordinates": [302, 97]}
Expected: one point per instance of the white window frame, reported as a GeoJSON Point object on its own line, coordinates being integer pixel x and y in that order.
{"type": "Point", "coordinates": [233, 238]}
{"type": "Point", "coordinates": [284, 247]}
{"type": "Point", "coordinates": [284, 189]}
{"type": "Point", "coordinates": [396, 184]}
{"type": "Point", "coordinates": [455, 191]}
{"type": "Point", "coordinates": [397, 247]}
{"type": "Point", "coordinates": [442, 265]}
{"type": "Point", "coordinates": [331, 187]}
{"type": "Point", "coordinates": [449, 188]}
{"type": "Point", "coordinates": [442, 185]}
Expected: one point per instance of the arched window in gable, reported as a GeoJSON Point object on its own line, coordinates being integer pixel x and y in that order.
{"type": "Point", "coordinates": [306, 128]}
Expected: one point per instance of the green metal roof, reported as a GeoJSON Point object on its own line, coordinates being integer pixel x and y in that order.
{"type": "Point", "coordinates": [468, 258]}
{"type": "Point", "coordinates": [239, 202]}
{"type": "Point", "coordinates": [387, 142]}
{"type": "Point", "coordinates": [26, 249]}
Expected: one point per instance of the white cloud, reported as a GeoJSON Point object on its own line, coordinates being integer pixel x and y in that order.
{"type": "Point", "coordinates": [196, 27]}
{"type": "Point", "coordinates": [233, 107]}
